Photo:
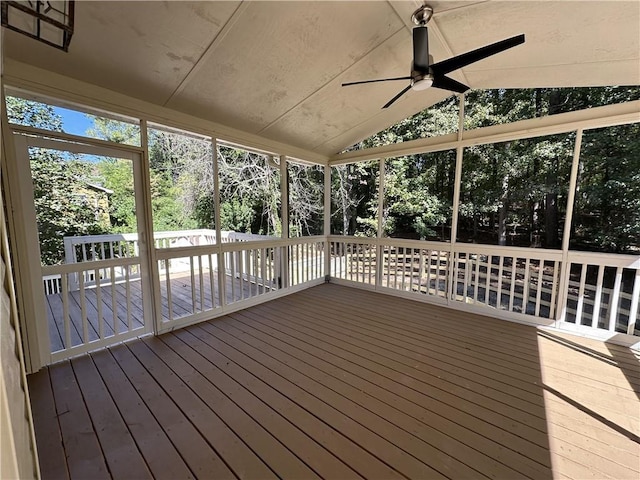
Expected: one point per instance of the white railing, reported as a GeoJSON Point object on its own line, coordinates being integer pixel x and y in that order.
{"type": "Point", "coordinates": [595, 293]}
{"type": "Point", "coordinates": [400, 265]}
{"type": "Point", "coordinates": [591, 292]}
{"type": "Point", "coordinates": [96, 315]}
{"type": "Point", "coordinates": [90, 248]}
{"type": "Point", "coordinates": [124, 245]}
{"type": "Point", "coordinates": [92, 299]}
{"type": "Point", "coordinates": [603, 293]}
{"type": "Point", "coordinates": [518, 280]}
{"type": "Point", "coordinates": [412, 266]}
{"type": "Point", "coordinates": [250, 270]}
{"type": "Point", "coordinates": [354, 259]}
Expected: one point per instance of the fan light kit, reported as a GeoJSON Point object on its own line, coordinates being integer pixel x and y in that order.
{"type": "Point", "coordinates": [425, 74]}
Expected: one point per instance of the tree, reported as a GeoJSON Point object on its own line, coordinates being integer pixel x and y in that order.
{"type": "Point", "coordinates": [513, 192]}
{"type": "Point", "coordinates": [58, 182]}
{"type": "Point", "coordinates": [306, 193]}
{"type": "Point", "coordinates": [249, 190]}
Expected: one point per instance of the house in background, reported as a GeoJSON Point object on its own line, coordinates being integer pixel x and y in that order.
{"type": "Point", "coordinates": [97, 197]}
{"type": "Point", "coordinates": [419, 359]}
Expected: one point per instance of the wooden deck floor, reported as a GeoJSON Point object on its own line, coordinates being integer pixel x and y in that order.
{"type": "Point", "coordinates": [335, 382]}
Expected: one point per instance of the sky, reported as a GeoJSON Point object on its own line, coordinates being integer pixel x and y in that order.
{"type": "Point", "coordinates": [73, 122]}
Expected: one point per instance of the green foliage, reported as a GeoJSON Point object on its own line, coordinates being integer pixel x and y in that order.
{"type": "Point", "coordinates": [61, 210]}
{"type": "Point", "coordinates": [58, 185]}
{"type": "Point", "coordinates": [354, 199]}
{"type": "Point", "coordinates": [607, 209]}
{"type": "Point", "coordinates": [249, 192]}
{"type": "Point", "coordinates": [32, 114]}
{"type": "Point", "coordinates": [511, 193]}
{"type": "Point", "coordinates": [236, 215]}
{"type": "Point", "coordinates": [118, 176]}
{"type": "Point", "coordinates": [114, 130]}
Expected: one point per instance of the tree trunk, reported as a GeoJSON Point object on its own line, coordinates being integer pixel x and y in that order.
{"type": "Point", "coordinates": [502, 212]}
{"type": "Point", "coordinates": [551, 220]}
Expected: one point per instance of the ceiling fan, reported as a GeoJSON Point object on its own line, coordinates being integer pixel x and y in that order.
{"type": "Point", "coordinates": [424, 74]}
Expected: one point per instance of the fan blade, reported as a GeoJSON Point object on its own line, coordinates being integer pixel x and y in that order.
{"type": "Point", "coordinates": [420, 49]}
{"type": "Point", "coordinates": [447, 83]}
{"type": "Point", "coordinates": [392, 101]}
{"type": "Point", "coordinates": [465, 59]}
{"type": "Point", "coordinates": [374, 81]}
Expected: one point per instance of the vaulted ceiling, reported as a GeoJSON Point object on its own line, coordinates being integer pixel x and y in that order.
{"type": "Point", "coordinates": [275, 68]}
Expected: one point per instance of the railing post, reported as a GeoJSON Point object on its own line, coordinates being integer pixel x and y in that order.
{"type": "Point", "coordinates": [563, 285]}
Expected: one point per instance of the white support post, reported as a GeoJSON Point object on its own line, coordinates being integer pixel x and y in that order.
{"type": "Point", "coordinates": [147, 250]}
{"type": "Point", "coordinates": [379, 252]}
{"type": "Point", "coordinates": [284, 197]}
{"type": "Point", "coordinates": [26, 260]}
{"type": "Point", "coordinates": [327, 220]}
{"type": "Point", "coordinates": [221, 260]}
{"type": "Point", "coordinates": [451, 280]}
{"type": "Point", "coordinates": [284, 208]}
{"type": "Point", "coordinates": [561, 309]}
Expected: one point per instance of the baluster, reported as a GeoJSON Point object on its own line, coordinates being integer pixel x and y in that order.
{"type": "Point", "coordinates": [595, 317]}
{"type": "Point", "coordinates": [554, 288]}
{"type": "Point", "coordinates": [263, 275]}
{"type": "Point", "coordinates": [583, 276]}
{"type": "Point", "coordinates": [201, 280]}
{"type": "Point", "coordinates": [525, 289]}
{"type": "Point", "coordinates": [96, 272]}
{"type": "Point", "coordinates": [512, 289]}
{"type": "Point", "coordinates": [476, 278]}
{"type": "Point", "coordinates": [128, 292]}
{"type": "Point", "coordinates": [114, 304]}
{"type": "Point", "coordinates": [255, 269]}
{"type": "Point", "coordinates": [83, 310]}
{"type": "Point", "coordinates": [210, 258]}
{"type": "Point", "coordinates": [193, 284]}
{"type": "Point", "coordinates": [613, 306]}
{"type": "Point", "coordinates": [500, 272]}
{"type": "Point", "coordinates": [489, 272]}
{"type": "Point", "coordinates": [65, 310]}
{"type": "Point", "coordinates": [635, 299]}
{"type": "Point", "coordinates": [168, 283]}
{"type": "Point", "coordinates": [466, 276]}
{"type": "Point", "coordinates": [539, 291]}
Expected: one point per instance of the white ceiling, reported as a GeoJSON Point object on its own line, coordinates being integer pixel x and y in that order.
{"type": "Point", "coordinates": [274, 68]}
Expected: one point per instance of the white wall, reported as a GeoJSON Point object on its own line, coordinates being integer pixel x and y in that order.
{"type": "Point", "coordinates": [18, 458]}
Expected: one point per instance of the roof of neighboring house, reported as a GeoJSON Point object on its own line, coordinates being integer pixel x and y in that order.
{"type": "Point", "coordinates": [99, 188]}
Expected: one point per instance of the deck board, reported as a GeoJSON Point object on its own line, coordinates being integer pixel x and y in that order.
{"type": "Point", "coordinates": [334, 382]}
{"type": "Point", "coordinates": [155, 446]}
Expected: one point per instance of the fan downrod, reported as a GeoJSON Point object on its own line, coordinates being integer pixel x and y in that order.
{"type": "Point", "coordinates": [422, 15]}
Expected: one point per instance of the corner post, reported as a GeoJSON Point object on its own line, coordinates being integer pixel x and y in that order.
{"type": "Point", "coordinates": [327, 220]}
{"type": "Point", "coordinates": [563, 285]}
{"type": "Point", "coordinates": [380, 232]}
{"type": "Point", "coordinates": [451, 281]}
